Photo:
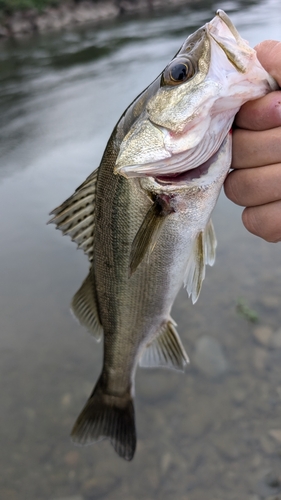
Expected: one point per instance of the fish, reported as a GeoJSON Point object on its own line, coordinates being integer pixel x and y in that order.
{"type": "Point", "coordinates": [143, 217]}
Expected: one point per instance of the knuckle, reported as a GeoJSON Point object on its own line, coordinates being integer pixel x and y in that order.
{"type": "Point", "coordinates": [258, 223]}
{"type": "Point", "coordinates": [251, 221]}
{"type": "Point", "coordinates": [232, 187]}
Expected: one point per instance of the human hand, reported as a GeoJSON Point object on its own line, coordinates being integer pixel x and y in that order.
{"type": "Point", "coordinates": [255, 181]}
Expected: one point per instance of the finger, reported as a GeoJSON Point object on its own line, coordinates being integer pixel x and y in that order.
{"type": "Point", "coordinates": [254, 186]}
{"type": "Point", "coordinates": [261, 114]}
{"type": "Point", "coordinates": [254, 149]}
{"type": "Point", "coordinates": [264, 221]}
{"type": "Point", "coordinates": [269, 55]}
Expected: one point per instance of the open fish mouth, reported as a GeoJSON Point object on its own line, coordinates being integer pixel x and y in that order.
{"type": "Point", "coordinates": [188, 175]}
{"type": "Point", "coordinates": [177, 165]}
{"type": "Point", "coordinates": [207, 170]}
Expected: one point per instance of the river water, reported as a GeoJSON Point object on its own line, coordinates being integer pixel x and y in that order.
{"type": "Point", "coordinates": [214, 432]}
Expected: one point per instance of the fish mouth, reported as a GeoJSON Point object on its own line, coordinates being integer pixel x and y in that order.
{"type": "Point", "coordinates": [220, 14]}
{"type": "Point", "coordinates": [187, 176]}
{"type": "Point", "coordinates": [224, 33]}
{"type": "Point", "coordinates": [178, 165]}
{"type": "Point", "coordinates": [190, 175]}
{"type": "Point", "coordinates": [218, 164]}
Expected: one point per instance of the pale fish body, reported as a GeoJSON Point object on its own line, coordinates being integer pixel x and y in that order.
{"type": "Point", "coordinates": [143, 217]}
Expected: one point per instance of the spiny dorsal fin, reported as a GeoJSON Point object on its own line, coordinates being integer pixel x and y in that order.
{"type": "Point", "coordinates": [147, 235]}
{"type": "Point", "coordinates": [166, 350]}
{"type": "Point", "coordinates": [76, 216]}
{"type": "Point", "coordinates": [85, 307]}
{"type": "Point", "coordinates": [203, 252]}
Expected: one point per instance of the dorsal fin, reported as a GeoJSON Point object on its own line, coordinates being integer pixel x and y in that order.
{"type": "Point", "coordinates": [166, 350]}
{"type": "Point", "coordinates": [85, 307]}
{"type": "Point", "coordinates": [76, 215]}
{"type": "Point", "coordinates": [203, 252]}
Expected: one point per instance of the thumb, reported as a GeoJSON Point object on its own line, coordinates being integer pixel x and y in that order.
{"type": "Point", "coordinates": [269, 55]}
{"type": "Point", "coordinates": [264, 113]}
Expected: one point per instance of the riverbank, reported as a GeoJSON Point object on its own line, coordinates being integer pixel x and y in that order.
{"type": "Point", "coordinates": [70, 12]}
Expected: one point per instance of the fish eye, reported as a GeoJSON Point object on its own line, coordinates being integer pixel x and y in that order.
{"type": "Point", "coordinates": [178, 71]}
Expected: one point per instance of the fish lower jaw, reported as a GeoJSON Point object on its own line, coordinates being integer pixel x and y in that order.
{"type": "Point", "coordinates": [187, 176]}
{"type": "Point", "coordinates": [205, 174]}
{"type": "Point", "coordinates": [183, 177]}
{"type": "Point", "coordinates": [196, 180]}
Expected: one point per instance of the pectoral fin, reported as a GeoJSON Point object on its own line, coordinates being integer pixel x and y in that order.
{"type": "Point", "coordinates": [210, 244]}
{"type": "Point", "coordinates": [203, 252]}
{"type": "Point", "coordinates": [166, 350]}
{"type": "Point", "coordinates": [147, 235]}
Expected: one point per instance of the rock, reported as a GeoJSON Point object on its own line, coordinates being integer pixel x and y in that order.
{"type": "Point", "coordinates": [9, 494]}
{"type": "Point", "coordinates": [269, 486]}
{"type": "Point", "coordinates": [157, 385]}
{"type": "Point", "coordinates": [228, 446]}
{"type": "Point", "coordinates": [4, 32]}
{"type": "Point", "coordinates": [275, 434]}
{"type": "Point", "coordinates": [239, 396]}
{"type": "Point", "coordinates": [278, 389]}
{"type": "Point", "coordinates": [272, 480]}
{"type": "Point", "coordinates": [83, 13]}
{"type": "Point", "coordinates": [166, 461]}
{"type": "Point", "coordinates": [71, 458]}
{"type": "Point", "coordinates": [209, 357]}
{"type": "Point", "coordinates": [29, 413]}
{"type": "Point", "coordinates": [73, 12]}
{"type": "Point", "coordinates": [256, 461]}
{"type": "Point", "coordinates": [263, 335]}
{"type": "Point", "coordinates": [99, 487]}
{"type": "Point", "coordinates": [66, 400]}
{"type": "Point", "coordinates": [266, 445]}
{"type": "Point", "coordinates": [69, 498]}
{"type": "Point", "coordinates": [260, 357]}
{"type": "Point", "coordinates": [275, 340]}
{"type": "Point", "coordinates": [20, 26]}
{"type": "Point", "coordinates": [271, 301]}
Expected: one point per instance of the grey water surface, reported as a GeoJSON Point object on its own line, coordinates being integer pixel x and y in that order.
{"type": "Point", "coordinates": [213, 433]}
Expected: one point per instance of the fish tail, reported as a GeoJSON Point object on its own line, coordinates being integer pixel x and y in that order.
{"type": "Point", "coordinates": [107, 417]}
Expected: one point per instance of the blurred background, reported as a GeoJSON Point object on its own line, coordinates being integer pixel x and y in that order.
{"type": "Point", "coordinates": [214, 432]}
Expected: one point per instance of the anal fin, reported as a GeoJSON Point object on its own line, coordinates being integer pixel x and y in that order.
{"type": "Point", "coordinates": [166, 350]}
{"type": "Point", "coordinates": [85, 307]}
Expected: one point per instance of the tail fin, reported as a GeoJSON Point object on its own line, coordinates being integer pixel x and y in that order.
{"type": "Point", "coordinates": [107, 417]}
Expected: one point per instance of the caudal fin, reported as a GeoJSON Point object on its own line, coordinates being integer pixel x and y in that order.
{"type": "Point", "coordinates": [107, 417]}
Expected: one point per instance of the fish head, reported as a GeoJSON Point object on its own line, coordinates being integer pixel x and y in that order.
{"type": "Point", "coordinates": [185, 121]}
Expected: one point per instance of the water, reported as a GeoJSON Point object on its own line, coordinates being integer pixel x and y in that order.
{"type": "Point", "coordinates": [213, 434]}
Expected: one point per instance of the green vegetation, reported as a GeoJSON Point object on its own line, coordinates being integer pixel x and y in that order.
{"type": "Point", "coordinates": [244, 310]}
{"type": "Point", "coordinates": [9, 6]}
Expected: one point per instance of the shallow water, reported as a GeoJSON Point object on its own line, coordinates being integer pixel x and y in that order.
{"type": "Point", "coordinates": [214, 432]}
